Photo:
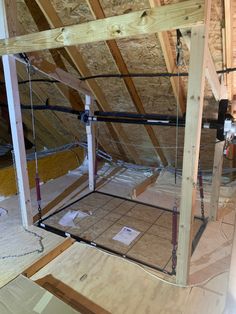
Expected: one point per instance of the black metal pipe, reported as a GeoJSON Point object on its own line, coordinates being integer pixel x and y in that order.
{"type": "Point", "coordinates": [126, 117]}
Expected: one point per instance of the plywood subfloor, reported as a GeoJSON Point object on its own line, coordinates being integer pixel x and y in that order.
{"type": "Point", "coordinates": [107, 215]}
{"type": "Point", "coordinates": [120, 286]}
{"type": "Point", "coordinates": [14, 240]}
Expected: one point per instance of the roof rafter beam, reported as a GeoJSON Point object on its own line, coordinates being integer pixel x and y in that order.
{"type": "Point", "coordinates": [98, 13]}
{"type": "Point", "coordinates": [172, 16]}
{"type": "Point", "coordinates": [77, 58]}
{"type": "Point", "coordinates": [177, 84]}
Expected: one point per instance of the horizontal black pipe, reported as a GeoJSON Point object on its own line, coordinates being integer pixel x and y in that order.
{"type": "Point", "coordinates": [126, 117]}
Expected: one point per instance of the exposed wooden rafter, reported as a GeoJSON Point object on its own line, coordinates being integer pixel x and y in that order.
{"type": "Point", "coordinates": [98, 13]}
{"type": "Point", "coordinates": [54, 21]}
{"type": "Point", "coordinates": [71, 84]}
{"type": "Point", "coordinates": [177, 84]}
{"type": "Point", "coordinates": [172, 16]}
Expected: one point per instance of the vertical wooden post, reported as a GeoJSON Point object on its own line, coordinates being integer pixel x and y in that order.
{"type": "Point", "coordinates": [199, 40]}
{"type": "Point", "coordinates": [230, 305]}
{"type": "Point", "coordinates": [217, 167]}
{"type": "Point", "coordinates": [13, 99]}
{"type": "Point", "coordinates": [91, 145]}
{"type": "Point", "coordinates": [216, 180]}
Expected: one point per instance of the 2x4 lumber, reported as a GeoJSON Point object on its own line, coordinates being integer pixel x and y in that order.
{"type": "Point", "coordinates": [62, 197]}
{"type": "Point", "coordinates": [40, 117]}
{"type": "Point", "coordinates": [77, 58]}
{"type": "Point", "coordinates": [211, 73]}
{"type": "Point", "coordinates": [42, 25]}
{"type": "Point", "coordinates": [69, 80]}
{"type": "Point", "coordinates": [98, 13]}
{"type": "Point", "coordinates": [140, 188]}
{"type": "Point", "coordinates": [230, 305]}
{"type": "Point", "coordinates": [13, 98]}
{"type": "Point", "coordinates": [195, 99]}
{"type": "Point", "coordinates": [177, 84]}
{"type": "Point", "coordinates": [43, 261]}
{"type": "Point", "coordinates": [172, 16]}
{"type": "Point", "coordinates": [228, 44]}
{"type": "Point", "coordinates": [216, 180]}
{"type": "Point", "coordinates": [70, 296]}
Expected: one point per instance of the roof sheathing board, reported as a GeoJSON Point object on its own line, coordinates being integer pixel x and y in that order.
{"type": "Point", "coordinates": [141, 54]}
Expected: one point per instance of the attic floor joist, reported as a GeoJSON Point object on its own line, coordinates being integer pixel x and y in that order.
{"type": "Point", "coordinates": [119, 275]}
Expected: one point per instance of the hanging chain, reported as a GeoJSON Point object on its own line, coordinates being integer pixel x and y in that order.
{"type": "Point", "coordinates": [37, 179]}
{"type": "Point", "coordinates": [179, 62]}
{"type": "Point", "coordinates": [200, 180]}
{"type": "Point", "coordinates": [40, 250]}
{"type": "Point", "coordinates": [179, 50]}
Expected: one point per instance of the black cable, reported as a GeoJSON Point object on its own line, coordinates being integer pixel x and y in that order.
{"type": "Point", "coordinates": [134, 75]}
{"type": "Point", "coordinates": [34, 80]}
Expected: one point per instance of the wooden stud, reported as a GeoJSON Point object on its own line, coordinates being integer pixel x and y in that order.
{"type": "Point", "coordinates": [216, 180]}
{"type": "Point", "coordinates": [43, 261]}
{"type": "Point", "coordinates": [98, 13]}
{"type": "Point", "coordinates": [230, 304]}
{"type": "Point", "coordinates": [192, 145]}
{"type": "Point", "coordinates": [77, 58]}
{"type": "Point", "coordinates": [149, 21]}
{"type": "Point", "coordinates": [13, 99]}
{"type": "Point", "coordinates": [211, 74]}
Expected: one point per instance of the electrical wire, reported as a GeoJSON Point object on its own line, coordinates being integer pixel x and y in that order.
{"type": "Point", "coordinates": [131, 75]}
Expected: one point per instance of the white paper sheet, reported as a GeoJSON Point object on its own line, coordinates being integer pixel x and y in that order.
{"type": "Point", "coordinates": [126, 235]}
{"type": "Point", "coordinates": [68, 219]}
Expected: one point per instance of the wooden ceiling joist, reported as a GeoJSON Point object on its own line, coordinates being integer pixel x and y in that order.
{"type": "Point", "coordinates": [177, 84]}
{"type": "Point", "coordinates": [172, 16]}
{"type": "Point", "coordinates": [98, 13]}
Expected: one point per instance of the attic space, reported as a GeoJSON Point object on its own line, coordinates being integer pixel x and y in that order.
{"type": "Point", "coordinates": [117, 156]}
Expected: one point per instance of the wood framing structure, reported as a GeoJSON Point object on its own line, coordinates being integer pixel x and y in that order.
{"type": "Point", "coordinates": [63, 54]}
{"type": "Point", "coordinates": [192, 144]}
{"type": "Point", "coordinates": [138, 23]}
{"type": "Point", "coordinates": [9, 65]}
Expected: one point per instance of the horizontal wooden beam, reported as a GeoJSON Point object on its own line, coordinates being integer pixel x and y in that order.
{"type": "Point", "coordinates": [43, 261]}
{"type": "Point", "coordinates": [98, 13]}
{"type": "Point", "coordinates": [172, 16]}
{"type": "Point", "coordinates": [54, 72]}
{"type": "Point", "coordinates": [141, 187]}
{"type": "Point", "coordinates": [117, 131]}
